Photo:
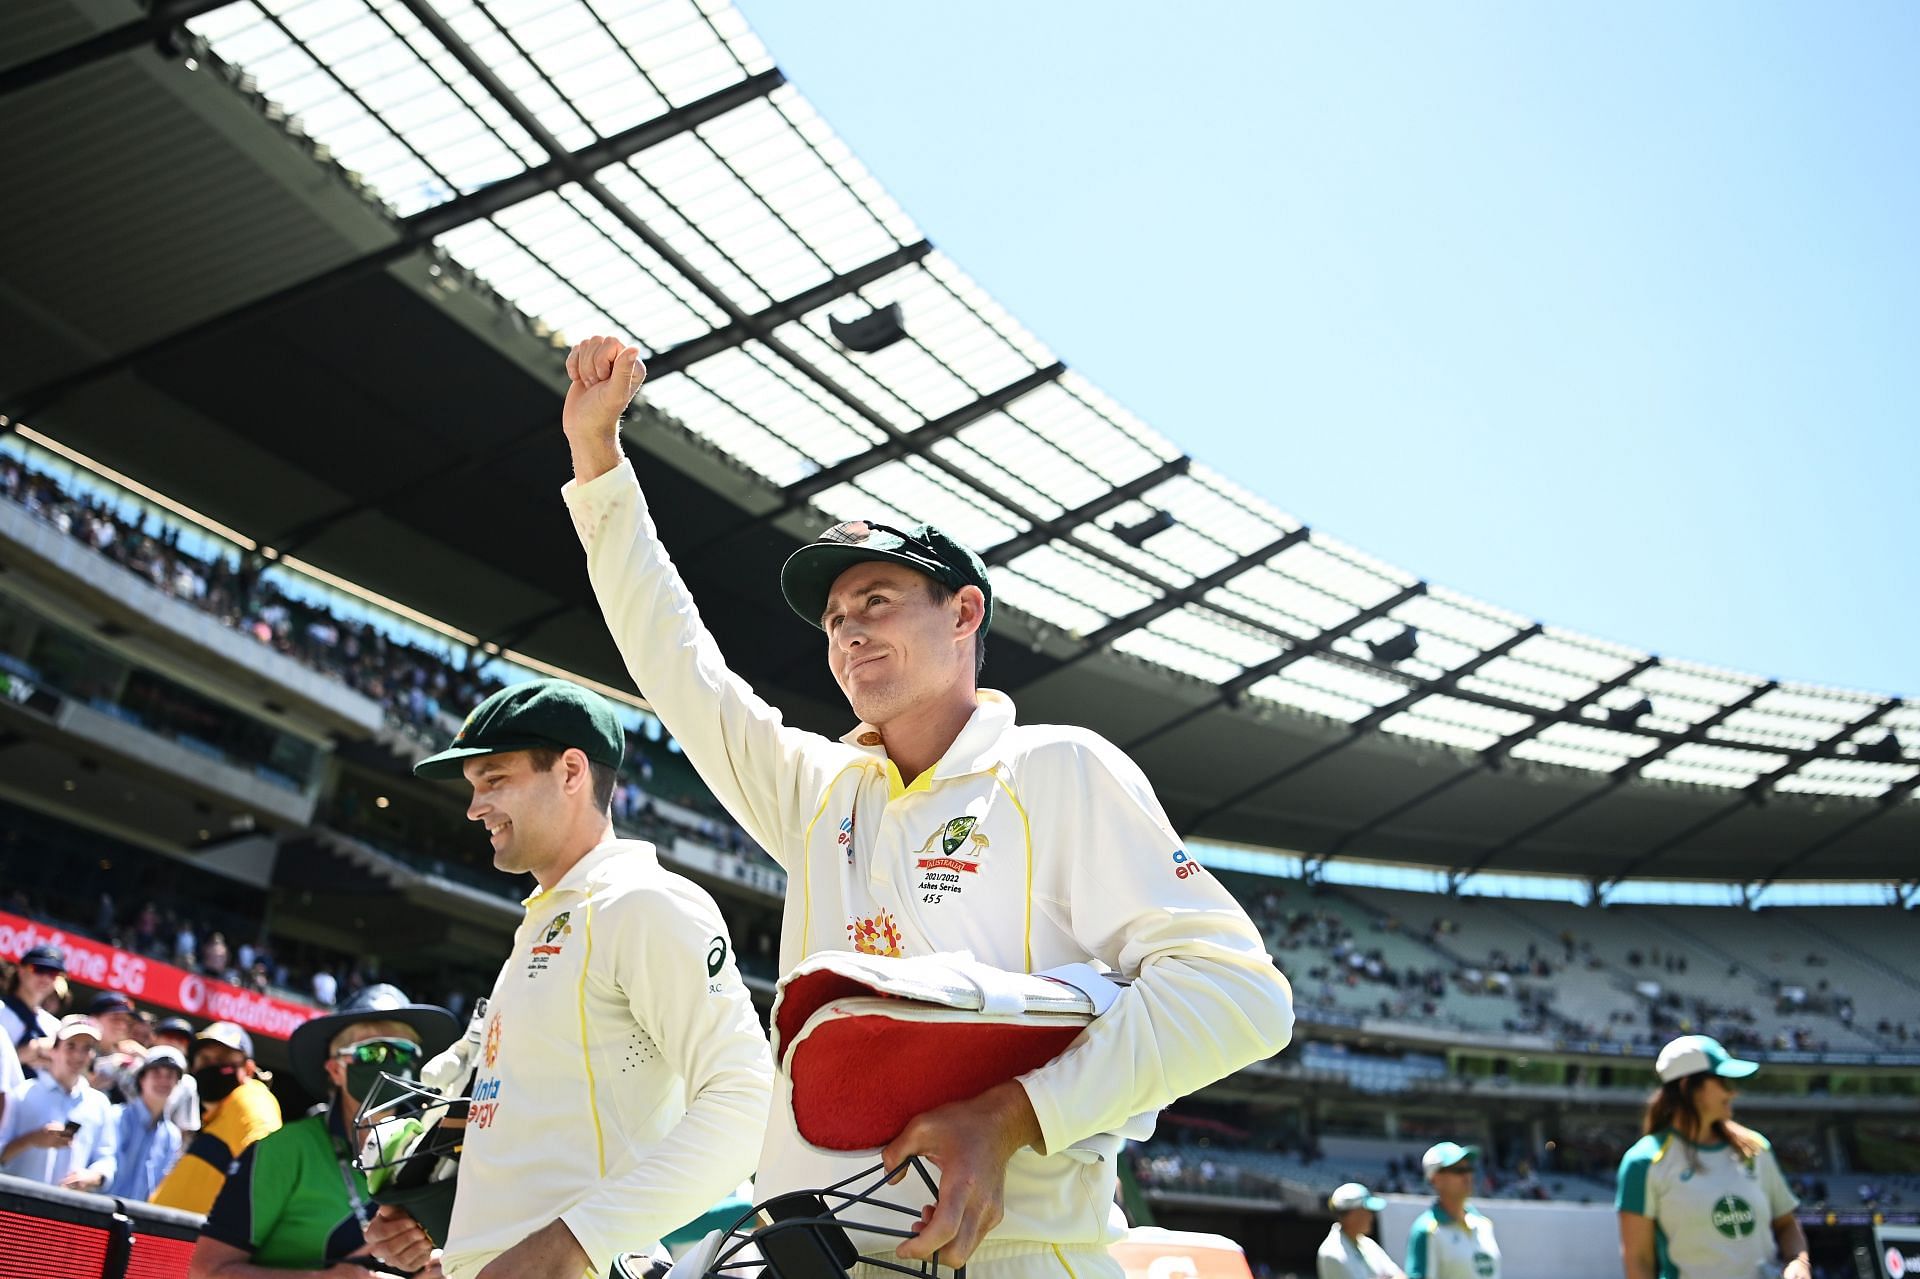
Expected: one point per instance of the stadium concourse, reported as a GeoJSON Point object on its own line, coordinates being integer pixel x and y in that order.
{"type": "Point", "coordinates": [1500, 862]}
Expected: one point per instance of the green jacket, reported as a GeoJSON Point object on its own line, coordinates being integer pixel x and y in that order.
{"type": "Point", "coordinates": [286, 1202]}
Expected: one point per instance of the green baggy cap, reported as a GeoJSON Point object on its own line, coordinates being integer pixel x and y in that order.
{"type": "Point", "coordinates": [544, 714]}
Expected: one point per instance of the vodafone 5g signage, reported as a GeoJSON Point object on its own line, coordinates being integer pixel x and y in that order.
{"type": "Point", "coordinates": [149, 981]}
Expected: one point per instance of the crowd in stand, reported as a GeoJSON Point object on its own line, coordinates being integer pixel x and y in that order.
{"type": "Point", "coordinates": [1328, 961]}
{"type": "Point", "coordinates": [99, 1100]}
{"type": "Point", "coordinates": [422, 691]}
{"type": "Point", "coordinates": [1406, 992]}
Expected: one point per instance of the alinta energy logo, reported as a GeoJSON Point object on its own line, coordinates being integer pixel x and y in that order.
{"type": "Point", "coordinates": [1733, 1216]}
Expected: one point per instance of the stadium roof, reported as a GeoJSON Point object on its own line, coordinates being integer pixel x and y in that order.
{"type": "Point", "coordinates": [644, 169]}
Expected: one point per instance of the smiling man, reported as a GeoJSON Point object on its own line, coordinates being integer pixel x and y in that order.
{"type": "Point", "coordinates": [939, 823]}
{"type": "Point", "coordinates": [623, 1082]}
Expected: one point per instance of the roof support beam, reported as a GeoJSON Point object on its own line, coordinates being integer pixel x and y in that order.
{"type": "Point", "coordinates": [1758, 792]}
{"type": "Point", "coordinates": [1061, 525]}
{"type": "Point", "coordinates": [1233, 690]}
{"type": "Point", "coordinates": [414, 234]}
{"type": "Point", "coordinates": [1492, 757]}
{"type": "Point", "coordinates": [1621, 776]}
{"type": "Point", "coordinates": [162, 16]}
{"type": "Point", "coordinates": [488, 79]}
{"type": "Point", "coordinates": [292, 539]}
{"type": "Point", "coordinates": [1357, 730]}
{"type": "Point", "coordinates": [1187, 594]}
{"type": "Point", "coordinates": [796, 495]}
{"type": "Point", "coordinates": [1889, 800]}
{"type": "Point", "coordinates": [678, 358]}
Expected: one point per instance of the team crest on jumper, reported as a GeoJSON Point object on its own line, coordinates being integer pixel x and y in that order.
{"type": "Point", "coordinates": [950, 854]}
{"type": "Point", "coordinates": [551, 943]}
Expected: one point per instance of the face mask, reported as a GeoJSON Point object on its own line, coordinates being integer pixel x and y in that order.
{"type": "Point", "coordinates": [216, 1082]}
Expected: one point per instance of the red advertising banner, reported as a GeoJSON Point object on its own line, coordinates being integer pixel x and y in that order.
{"type": "Point", "coordinates": [152, 982]}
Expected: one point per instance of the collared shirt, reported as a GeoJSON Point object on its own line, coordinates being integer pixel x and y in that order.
{"type": "Point", "coordinates": [19, 1024]}
{"type": "Point", "coordinates": [11, 1073]}
{"type": "Point", "coordinates": [243, 1117]}
{"type": "Point", "coordinates": [148, 1147]}
{"type": "Point", "coordinates": [294, 1200]}
{"type": "Point", "coordinates": [42, 1101]}
{"type": "Point", "coordinates": [1343, 1258]}
{"type": "Point", "coordinates": [623, 1081]}
{"type": "Point", "coordinates": [1031, 846]}
{"type": "Point", "coordinates": [1712, 1210]}
{"type": "Point", "coordinates": [1441, 1246]}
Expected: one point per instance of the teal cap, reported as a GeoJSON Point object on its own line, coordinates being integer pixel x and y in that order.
{"type": "Point", "coordinates": [1447, 1154]}
{"type": "Point", "coordinates": [1697, 1054]}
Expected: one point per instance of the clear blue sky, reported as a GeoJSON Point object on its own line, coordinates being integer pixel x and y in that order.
{"type": "Point", "coordinates": [1605, 313]}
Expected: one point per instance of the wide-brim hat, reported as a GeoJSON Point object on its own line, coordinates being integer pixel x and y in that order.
{"type": "Point", "coordinates": [307, 1046]}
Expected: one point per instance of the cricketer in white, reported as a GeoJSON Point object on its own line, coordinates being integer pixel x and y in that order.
{"type": "Point", "coordinates": [938, 824]}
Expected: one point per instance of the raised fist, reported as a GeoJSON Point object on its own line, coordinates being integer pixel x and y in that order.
{"type": "Point", "coordinates": [606, 374]}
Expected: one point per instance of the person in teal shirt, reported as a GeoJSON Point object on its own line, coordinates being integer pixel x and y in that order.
{"type": "Point", "coordinates": [1452, 1239]}
{"type": "Point", "coordinates": [294, 1201]}
{"type": "Point", "coordinates": [1700, 1196]}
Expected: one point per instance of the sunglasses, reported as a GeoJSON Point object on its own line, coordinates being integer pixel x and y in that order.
{"type": "Point", "coordinates": [396, 1053]}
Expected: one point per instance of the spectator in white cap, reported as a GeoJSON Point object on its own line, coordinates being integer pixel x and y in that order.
{"type": "Point", "coordinates": [58, 1129]}
{"type": "Point", "coordinates": [1700, 1196]}
{"type": "Point", "coordinates": [183, 1108]}
{"type": "Point", "coordinates": [236, 1110]}
{"type": "Point", "coordinates": [1349, 1251]}
{"type": "Point", "coordinates": [149, 1145]}
{"type": "Point", "coordinates": [1452, 1239]}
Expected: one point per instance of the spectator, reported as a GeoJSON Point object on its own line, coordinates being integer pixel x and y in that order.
{"type": "Point", "coordinates": [1452, 1239]}
{"type": "Point", "coordinates": [325, 989]}
{"type": "Point", "coordinates": [11, 1075]}
{"type": "Point", "coordinates": [183, 1107]}
{"type": "Point", "coordinates": [113, 1013]}
{"type": "Point", "coordinates": [236, 1111]}
{"type": "Point", "coordinates": [148, 1145]}
{"type": "Point", "coordinates": [57, 1129]}
{"type": "Point", "coordinates": [295, 1199]}
{"type": "Point", "coordinates": [23, 1016]}
{"type": "Point", "coordinates": [1349, 1252]}
{"type": "Point", "coordinates": [214, 959]}
{"type": "Point", "coordinates": [112, 1073]}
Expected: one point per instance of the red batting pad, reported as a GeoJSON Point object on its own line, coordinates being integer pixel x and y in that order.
{"type": "Point", "coordinates": [857, 1080]}
{"type": "Point", "coordinates": [804, 994]}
